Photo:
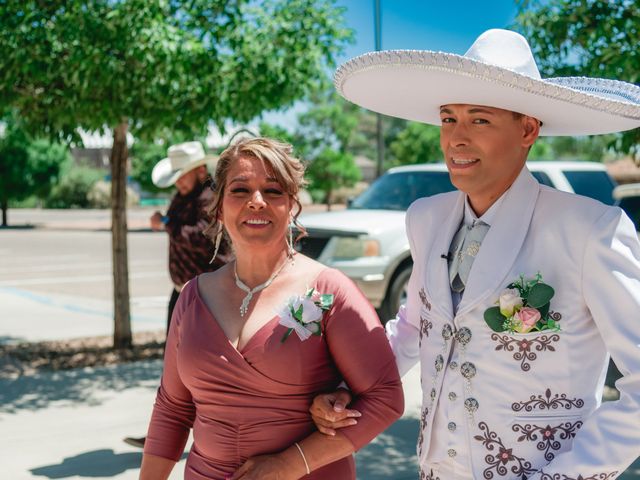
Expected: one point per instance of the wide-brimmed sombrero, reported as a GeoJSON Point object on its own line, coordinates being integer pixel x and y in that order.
{"type": "Point", "coordinates": [181, 158]}
{"type": "Point", "coordinates": [497, 71]}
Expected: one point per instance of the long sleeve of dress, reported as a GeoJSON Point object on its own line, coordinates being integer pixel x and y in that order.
{"type": "Point", "coordinates": [360, 350]}
{"type": "Point", "coordinates": [174, 410]}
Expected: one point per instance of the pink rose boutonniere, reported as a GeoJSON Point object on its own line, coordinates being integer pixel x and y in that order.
{"type": "Point", "coordinates": [523, 307]}
{"type": "Point", "coordinates": [303, 313]}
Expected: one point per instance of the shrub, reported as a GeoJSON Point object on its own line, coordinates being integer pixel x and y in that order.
{"type": "Point", "coordinates": [73, 188]}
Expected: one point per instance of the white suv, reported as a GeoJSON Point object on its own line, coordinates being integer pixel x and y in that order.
{"type": "Point", "coordinates": [367, 241]}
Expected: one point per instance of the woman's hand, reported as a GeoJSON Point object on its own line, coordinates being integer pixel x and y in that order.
{"type": "Point", "coordinates": [266, 467]}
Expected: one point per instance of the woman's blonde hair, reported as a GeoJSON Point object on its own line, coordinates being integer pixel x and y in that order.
{"type": "Point", "coordinates": [277, 157]}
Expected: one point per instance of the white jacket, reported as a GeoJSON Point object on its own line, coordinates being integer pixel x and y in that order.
{"type": "Point", "coordinates": [532, 401]}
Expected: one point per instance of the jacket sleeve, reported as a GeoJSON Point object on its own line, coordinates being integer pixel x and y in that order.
{"type": "Point", "coordinates": [403, 332]}
{"type": "Point", "coordinates": [609, 440]}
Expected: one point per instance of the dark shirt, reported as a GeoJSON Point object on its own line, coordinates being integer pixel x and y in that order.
{"type": "Point", "coordinates": [189, 249]}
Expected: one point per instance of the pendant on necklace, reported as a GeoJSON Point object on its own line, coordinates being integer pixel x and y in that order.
{"type": "Point", "coordinates": [245, 304]}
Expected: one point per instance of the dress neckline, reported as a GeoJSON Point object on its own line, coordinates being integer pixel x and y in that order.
{"type": "Point", "coordinates": [241, 351]}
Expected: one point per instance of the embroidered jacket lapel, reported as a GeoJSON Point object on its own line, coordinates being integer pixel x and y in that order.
{"type": "Point", "coordinates": [437, 270]}
{"type": "Point", "coordinates": [503, 242]}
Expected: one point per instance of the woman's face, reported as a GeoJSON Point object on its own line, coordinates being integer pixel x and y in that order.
{"type": "Point", "coordinates": [255, 209]}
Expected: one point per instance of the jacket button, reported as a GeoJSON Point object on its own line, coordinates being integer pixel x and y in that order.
{"type": "Point", "coordinates": [468, 370]}
{"type": "Point", "coordinates": [439, 362]}
{"type": "Point", "coordinates": [452, 395]}
{"type": "Point", "coordinates": [451, 452]}
{"type": "Point", "coordinates": [452, 426]}
{"type": "Point", "coordinates": [453, 365]}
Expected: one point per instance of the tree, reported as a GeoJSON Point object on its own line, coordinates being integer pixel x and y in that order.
{"type": "Point", "coordinates": [332, 169]}
{"type": "Point", "coordinates": [142, 65]}
{"type": "Point", "coordinates": [417, 143]}
{"type": "Point", "coordinates": [596, 38]}
{"type": "Point", "coordinates": [27, 166]}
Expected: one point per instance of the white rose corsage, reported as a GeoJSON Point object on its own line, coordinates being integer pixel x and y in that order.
{"type": "Point", "coordinates": [303, 314]}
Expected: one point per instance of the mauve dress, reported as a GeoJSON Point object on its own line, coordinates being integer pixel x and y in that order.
{"type": "Point", "coordinates": [256, 401]}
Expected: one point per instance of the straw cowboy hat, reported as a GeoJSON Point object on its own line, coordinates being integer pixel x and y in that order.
{"type": "Point", "coordinates": [182, 158]}
{"type": "Point", "coordinates": [497, 71]}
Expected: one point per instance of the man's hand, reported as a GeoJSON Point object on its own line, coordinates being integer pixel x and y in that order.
{"type": "Point", "coordinates": [156, 221]}
{"type": "Point", "coordinates": [329, 411]}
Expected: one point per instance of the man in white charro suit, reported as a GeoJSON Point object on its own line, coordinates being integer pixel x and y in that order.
{"type": "Point", "coordinates": [519, 292]}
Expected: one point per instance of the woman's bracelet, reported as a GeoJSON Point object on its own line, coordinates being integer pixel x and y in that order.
{"type": "Point", "coordinates": [304, 459]}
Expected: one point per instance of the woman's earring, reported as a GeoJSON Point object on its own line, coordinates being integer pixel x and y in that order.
{"type": "Point", "coordinates": [217, 244]}
{"type": "Point", "coordinates": [290, 240]}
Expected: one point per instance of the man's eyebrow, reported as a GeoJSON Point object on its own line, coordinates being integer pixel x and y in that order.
{"type": "Point", "coordinates": [480, 110]}
{"type": "Point", "coordinates": [445, 110]}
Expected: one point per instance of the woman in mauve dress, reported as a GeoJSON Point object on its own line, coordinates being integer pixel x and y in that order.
{"type": "Point", "coordinates": [252, 343]}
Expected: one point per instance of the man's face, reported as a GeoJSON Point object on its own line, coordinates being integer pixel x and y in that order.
{"type": "Point", "coordinates": [187, 182]}
{"type": "Point", "coordinates": [484, 149]}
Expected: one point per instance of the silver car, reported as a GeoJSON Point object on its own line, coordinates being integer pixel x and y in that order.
{"type": "Point", "coordinates": [367, 241]}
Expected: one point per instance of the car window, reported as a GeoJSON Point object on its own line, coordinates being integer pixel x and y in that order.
{"type": "Point", "coordinates": [396, 191]}
{"type": "Point", "coordinates": [592, 184]}
{"type": "Point", "coordinates": [631, 206]}
{"type": "Point", "coordinates": [543, 178]}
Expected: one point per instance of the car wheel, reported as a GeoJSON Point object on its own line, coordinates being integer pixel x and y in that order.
{"type": "Point", "coordinates": [396, 294]}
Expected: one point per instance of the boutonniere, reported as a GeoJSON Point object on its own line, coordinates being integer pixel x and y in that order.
{"type": "Point", "coordinates": [523, 307]}
{"type": "Point", "coordinates": [303, 314]}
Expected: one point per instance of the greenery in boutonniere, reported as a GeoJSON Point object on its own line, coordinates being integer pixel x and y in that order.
{"type": "Point", "coordinates": [523, 307]}
{"type": "Point", "coordinates": [303, 314]}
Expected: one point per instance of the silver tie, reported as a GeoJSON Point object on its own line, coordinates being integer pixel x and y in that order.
{"type": "Point", "coordinates": [465, 246]}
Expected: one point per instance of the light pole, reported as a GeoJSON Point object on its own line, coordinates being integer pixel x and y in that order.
{"type": "Point", "coordinates": [378, 40]}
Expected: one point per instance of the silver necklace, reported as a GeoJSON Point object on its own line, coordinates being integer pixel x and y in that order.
{"type": "Point", "coordinates": [250, 291]}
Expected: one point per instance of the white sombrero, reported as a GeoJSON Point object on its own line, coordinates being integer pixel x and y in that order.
{"type": "Point", "coordinates": [497, 71]}
{"type": "Point", "coordinates": [181, 158]}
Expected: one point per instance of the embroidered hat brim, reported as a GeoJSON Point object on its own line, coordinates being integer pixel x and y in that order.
{"type": "Point", "coordinates": [414, 84]}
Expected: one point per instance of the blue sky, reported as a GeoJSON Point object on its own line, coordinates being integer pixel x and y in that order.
{"type": "Point", "coordinates": [449, 26]}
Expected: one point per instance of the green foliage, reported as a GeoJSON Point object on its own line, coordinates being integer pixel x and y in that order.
{"type": "Point", "coordinates": [417, 143]}
{"type": "Point", "coordinates": [494, 319]}
{"type": "Point", "coordinates": [144, 156]}
{"type": "Point", "coordinates": [332, 169]}
{"type": "Point", "coordinates": [73, 189]}
{"type": "Point", "coordinates": [92, 63]}
{"type": "Point", "coordinates": [28, 167]}
{"type": "Point", "coordinates": [594, 148]}
{"type": "Point", "coordinates": [596, 38]}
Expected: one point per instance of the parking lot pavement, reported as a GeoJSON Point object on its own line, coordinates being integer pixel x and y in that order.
{"type": "Point", "coordinates": [57, 284]}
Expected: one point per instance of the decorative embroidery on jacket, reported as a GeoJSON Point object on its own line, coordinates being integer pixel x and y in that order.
{"type": "Point", "coordinates": [547, 436]}
{"type": "Point", "coordinates": [423, 298]}
{"type": "Point", "coordinates": [524, 353]}
{"type": "Point", "coordinates": [423, 424]}
{"type": "Point", "coordinates": [428, 476]}
{"type": "Point", "coordinates": [597, 476]}
{"type": "Point", "coordinates": [504, 461]}
{"type": "Point", "coordinates": [425, 326]}
{"type": "Point", "coordinates": [547, 403]}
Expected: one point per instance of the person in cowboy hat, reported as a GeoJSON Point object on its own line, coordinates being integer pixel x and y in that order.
{"type": "Point", "coordinates": [190, 251]}
{"type": "Point", "coordinates": [519, 292]}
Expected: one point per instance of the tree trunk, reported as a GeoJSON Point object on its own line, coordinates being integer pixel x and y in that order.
{"type": "Point", "coordinates": [4, 204]}
{"type": "Point", "coordinates": [328, 199]}
{"type": "Point", "coordinates": [122, 317]}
